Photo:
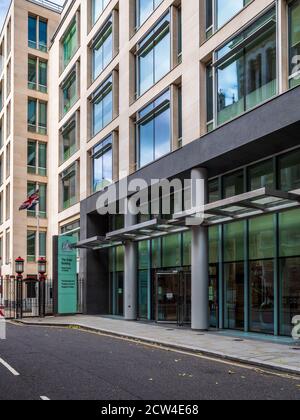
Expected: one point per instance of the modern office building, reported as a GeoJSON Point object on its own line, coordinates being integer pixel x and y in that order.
{"type": "Point", "coordinates": [168, 89]}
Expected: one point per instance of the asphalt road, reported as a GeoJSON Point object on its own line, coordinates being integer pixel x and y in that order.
{"type": "Point", "coordinates": [67, 364]}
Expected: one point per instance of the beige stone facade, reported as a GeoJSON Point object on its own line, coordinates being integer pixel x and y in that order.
{"type": "Point", "coordinates": [15, 135]}
{"type": "Point", "coordinates": [187, 73]}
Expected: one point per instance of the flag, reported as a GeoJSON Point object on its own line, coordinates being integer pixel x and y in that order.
{"type": "Point", "coordinates": [31, 201]}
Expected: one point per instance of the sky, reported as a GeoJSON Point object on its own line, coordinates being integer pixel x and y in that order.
{"type": "Point", "coordinates": [4, 4]}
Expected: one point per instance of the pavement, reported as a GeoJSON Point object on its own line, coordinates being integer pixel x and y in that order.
{"type": "Point", "coordinates": [43, 363]}
{"type": "Point", "coordinates": [270, 353]}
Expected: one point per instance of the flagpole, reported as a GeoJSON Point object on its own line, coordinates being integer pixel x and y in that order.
{"type": "Point", "coordinates": [38, 230]}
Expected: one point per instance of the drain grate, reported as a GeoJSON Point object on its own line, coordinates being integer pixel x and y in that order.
{"type": "Point", "coordinates": [295, 348]}
{"type": "Point", "coordinates": [238, 340]}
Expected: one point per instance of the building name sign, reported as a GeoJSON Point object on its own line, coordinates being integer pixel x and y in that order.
{"type": "Point", "coordinates": [67, 276]}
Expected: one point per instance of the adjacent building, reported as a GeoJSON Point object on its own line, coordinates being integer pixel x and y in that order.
{"type": "Point", "coordinates": [24, 130]}
{"type": "Point", "coordinates": [170, 89]}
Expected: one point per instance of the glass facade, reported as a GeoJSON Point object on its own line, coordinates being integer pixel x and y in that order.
{"type": "Point", "coordinates": [102, 106]}
{"type": "Point", "coordinates": [69, 91]}
{"type": "Point", "coordinates": [102, 165]}
{"type": "Point", "coordinates": [245, 71]}
{"type": "Point", "coordinates": [68, 139]}
{"type": "Point", "coordinates": [98, 7]}
{"type": "Point", "coordinates": [69, 183]}
{"type": "Point", "coordinates": [154, 55]}
{"type": "Point", "coordinates": [102, 49]}
{"type": "Point", "coordinates": [154, 130]}
{"type": "Point", "coordinates": [254, 264]}
{"type": "Point", "coordinates": [144, 9]}
{"type": "Point", "coordinates": [69, 43]}
{"type": "Point", "coordinates": [37, 33]}
{"type": "Point", "coordinates": [294, 43]}
{"type": "Point", "coordinates": [219, 12]}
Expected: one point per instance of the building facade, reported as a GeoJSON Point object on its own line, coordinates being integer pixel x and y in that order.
{"type": "Point", "coordinates": [24, 129]}
{"type": "Point", "coordinates": [167, 89]}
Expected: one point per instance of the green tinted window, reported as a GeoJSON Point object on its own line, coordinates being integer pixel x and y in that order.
{"type": "Point", "coordinates": [144, 260]}
{"type": "Point", "coordinates": [172, 251]}
{"type": "Point", "coordinates": [143, 294]}
{"type": "Point", "coordinates": [261, 238]}
{"type": "Point", "coordinates": [187, 245]}
{"type": "Point", "coordinates": [289, 234]}
{"type": "Point", "coordinates": [120, 258]}
{"type": "Point", "coordinates": [156, 253]}
{"type": "Point", "coordinates": [214, 242]}
{"type": "Point", "coordinates": [234, 242]}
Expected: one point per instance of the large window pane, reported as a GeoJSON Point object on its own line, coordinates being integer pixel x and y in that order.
{"type": "Point", "coordinates": [154, 131]}
{"type": "Point", "coordinates": [102, 51]}
{"type": "Point", "coordinates": [261, 238]}
{"type": "Point", "coordinates": [154, 56]}
{"type": "Point", "coordinates": [262, 296]}
{"type": "Point", "coordinates": [234, 241]}
{"type": "Point", "coordinates": [289, 171]}
{"type": "Point", "coordinates": [230, 89]}
{"type": "Point", "coordinates": [289, 293]}
{"type": "Point", "coordinates": [69, 90]}
{"type": "Point", "coordinates": [144, 9]}
{"type": "Point", "coordinates": [102, 106]}
{"type": "Point", "coordinates": [261, 175]}
{"type": "Point", "coordinates": [32, 32]}
{"type": "Point", "coordinates": [234, 296]}
{"type": "Point", "coordinates": [233, 184]}
{"type": "Point", "coordinates": [70, 43]}
{"type": "Point", "coordinates": [171, 251]}
{"type": "Point", "coordinates": [294, 43]}
{"type": "Point", "coordinates": [247, 70]}
{"type": "Point", "coordinates": [42, 35]}
{"type": "Point", "coordinates": [68, 140]}
{"type": "Point", "coordinates": [102, 163]}
{"type": "Point", "coordinates": [32, 73]}
{"type": "Point", "coordinates": [289, 233]}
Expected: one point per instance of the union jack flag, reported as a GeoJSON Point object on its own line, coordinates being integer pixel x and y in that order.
{"type": "Point", "coordinates": [31, 201]}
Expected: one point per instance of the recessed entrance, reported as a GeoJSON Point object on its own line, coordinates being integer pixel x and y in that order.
{"type": "Point", "coordinates": [173, 297]}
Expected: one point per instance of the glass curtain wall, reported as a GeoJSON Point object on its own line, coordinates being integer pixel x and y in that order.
{"type": "Point", "coordinates": [246, 69]}
{"type": "Point", "coordinates": [154, 55]}
{"type": "Point", "coordinates": [257, 262]}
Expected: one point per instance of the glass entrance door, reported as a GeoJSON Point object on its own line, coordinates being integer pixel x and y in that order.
{"type": "Point", "coordinates": [167, 297]}
{"type": "Point", "coordinates": [185, 299]}
{"type": "Point", "coordinates": [173, 297]}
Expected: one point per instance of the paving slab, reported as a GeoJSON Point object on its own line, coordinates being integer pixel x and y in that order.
{"type": "Point", "coordinates": [282, 355]}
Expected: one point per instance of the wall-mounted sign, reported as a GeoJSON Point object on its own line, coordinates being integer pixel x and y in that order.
{"type": "Point", "coordinates": [67, 275]}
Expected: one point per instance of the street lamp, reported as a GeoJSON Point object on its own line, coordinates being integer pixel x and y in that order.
{"type": "Point", "coordinates": [19, 268]}
{"type": "Point", "coordinates": [42, 269]}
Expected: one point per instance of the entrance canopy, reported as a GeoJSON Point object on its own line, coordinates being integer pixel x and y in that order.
{"type": "Point", "coordinates": [240, 207]}
{"type": "Point", "coordinates": [244, 206]}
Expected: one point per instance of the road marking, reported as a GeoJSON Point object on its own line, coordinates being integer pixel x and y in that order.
{"type": "Point", "coordinates": [43, 398]}
{"type": "Point", "coordinates": [12, 370]}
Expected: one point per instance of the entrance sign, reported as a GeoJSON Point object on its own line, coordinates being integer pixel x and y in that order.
{"type": "Point", "coordinates": [67, 275]}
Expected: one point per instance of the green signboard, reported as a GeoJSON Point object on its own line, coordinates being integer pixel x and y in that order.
{"type": "Point", "coordinates": [67, 275]}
